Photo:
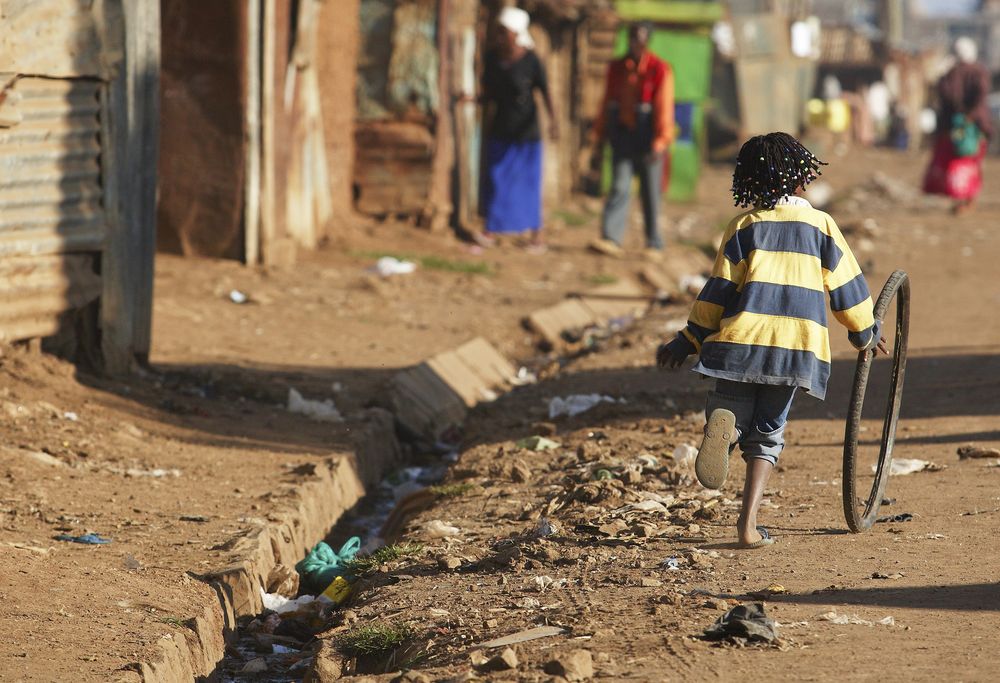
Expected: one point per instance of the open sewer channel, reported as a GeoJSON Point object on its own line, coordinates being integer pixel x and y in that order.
{"type": "Point", "coordinates": [279, 644]}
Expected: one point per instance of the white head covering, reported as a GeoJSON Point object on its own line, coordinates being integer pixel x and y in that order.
{"type": "Point", "coordinates": [517, 21]}
{"type": "Point", "coordinates": [966, 50]}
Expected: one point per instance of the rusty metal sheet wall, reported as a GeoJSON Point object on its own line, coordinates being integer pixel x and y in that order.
{"type": "Point", "coordinates": [52, 222]}
{"type": "Point", "coordinates": [59, 37]}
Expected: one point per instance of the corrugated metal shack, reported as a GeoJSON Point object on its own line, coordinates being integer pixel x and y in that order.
{"type": "Point", "coordinates": [244, 171]}
{"type": "Point", "coordinates": [78, 146]}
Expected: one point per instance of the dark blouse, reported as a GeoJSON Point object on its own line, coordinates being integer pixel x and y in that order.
{"type": "Point", "coordinates": [511, 88]}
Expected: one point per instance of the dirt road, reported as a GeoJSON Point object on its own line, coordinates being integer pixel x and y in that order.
{"type": "Point", "coordinates": [636, 588]}
{"type": "Point", "coordinates": [179, 465]}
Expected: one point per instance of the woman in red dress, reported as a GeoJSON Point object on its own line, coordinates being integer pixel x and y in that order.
{"type": "Point", "coordinates": [964, 128]}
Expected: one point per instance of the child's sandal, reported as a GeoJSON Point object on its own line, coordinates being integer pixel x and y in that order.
{"type": "Point", "coordinates": [712, 464]}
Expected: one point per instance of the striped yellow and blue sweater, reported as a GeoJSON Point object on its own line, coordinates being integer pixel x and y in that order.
{"type": "Point", "coordinates": [761, 318]}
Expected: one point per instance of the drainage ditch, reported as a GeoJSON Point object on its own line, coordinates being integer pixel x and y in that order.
{"type": "Point", "coordinates": [279, 645]}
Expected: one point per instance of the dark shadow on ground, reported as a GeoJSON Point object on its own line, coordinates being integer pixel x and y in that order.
{"type": "Point", "coordinates": [936, 386]}
{"type": "Point", "coordinates": [246, 406]}
{"type": "Point", "coordinates": [980, 597]}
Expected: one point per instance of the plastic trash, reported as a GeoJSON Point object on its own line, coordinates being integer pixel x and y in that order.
{"type": "Point", "coordinates": [544, 583]}
{"type": "Point", "coordinates": [647, 461]}
{"type": "Point", "coordinates": [387, 266]}
{"type": "Point", "coordinates": [279, 649]}
{"type": "Point", "coordinates": [538, 443]}
{"type": "Point", "coordinates": [895, 519]}
{"type": "Point", "coordinates": [524, 377]}
{"type": "Point", "coordinates": [544, 528]}
{"type": "Point", "coordinates": [71, 416]}
{"type": "Point", "coordinates": [322, 565]}
{"type": "Point", "coordinates": [685, 455]}
{"type": "Point", "coordinates": [85, 539]}
{"type": "Point", "coordinates": [902, 466]}
{"type": "Point", "coordinates": [322, 411]}
{"type": "Point", "coordinates": [282, 605]}
{"type": "Point", "coordinates": [438, 529]}
{"type": "Point", "coordinates": [834, 618]}
{"type": "Point", "coordinates": [671, 563]}
{"type": "Point", "coordinates": [576, 404]}
{"type": "Point", "coordinates": [747, 622]}
{"type": "Point", "coordinates": [238, 297]}
{"type": "Point", "coordinates": [338, 591]}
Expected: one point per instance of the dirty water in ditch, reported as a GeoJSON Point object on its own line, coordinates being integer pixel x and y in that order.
{"type": "Point", "coordinates": [279, 647]}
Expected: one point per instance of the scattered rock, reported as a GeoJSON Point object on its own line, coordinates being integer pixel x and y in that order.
{"type": "Point", "coordinates": [412, 677]}
{"type": "Point", "coordinates": [505, 661]}
{"type": "Point", "coordinates": [670, 599]}
{"type": "Point", "coordinates": [698, 560]}
{"type": "Point", "coordinates": [283, 580]}
{"type": "Point", "coordinates": [254, 666]}
{"type": "Point", "coordinates": [880, 575]}
{"type": "Point", "coordinates": [649, 582]}
{"type": "Point", "coordinates": [520, 473]}
{"type": "Point", "coordinates": [716, 603]}
{"type": "Point", "coordinates": [973, 451]}
{"type": "Point", "coordinates": [577, 665]}
{"type": "Point", "coordinates": [613, 528]}
{"type": "Point", "coordinates": [448, 562]}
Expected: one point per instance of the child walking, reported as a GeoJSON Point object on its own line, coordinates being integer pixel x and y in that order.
{"type": "Point", "coordinates": [759, 326]}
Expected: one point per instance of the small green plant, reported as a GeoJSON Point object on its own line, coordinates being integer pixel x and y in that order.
{"type": "Point", "coordinates": [571, 218]}
{"type": "Point", "coordinates": [374, 639]}
{"type": "Point", "coordinates": [454, 266]}
{"type": "Point", "coordinates": [450, 490]}
{"type": "Point", "coordinates": [603, 279]}
{"type": "Point", "coordinates": [389, 553]}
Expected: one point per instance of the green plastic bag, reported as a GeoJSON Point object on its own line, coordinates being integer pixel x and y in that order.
{"type": "Point", "coordinates": [966, 137]}
{"type": "Point", "coordinates": [322, 565]}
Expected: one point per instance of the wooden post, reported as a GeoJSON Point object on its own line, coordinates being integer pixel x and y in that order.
{"type": "Point", "coordinates": [437, 213]}
{"type": "Point", "coordinates": [268, 200]}
{"type": "Point", "coordinates": [251, 200]}
{"type": "Point", "coordinates": [131, 129]}
{"type": "Point", "coordinates": [143, 39]}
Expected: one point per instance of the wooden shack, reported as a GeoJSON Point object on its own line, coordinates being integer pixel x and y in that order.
{"type": "Point", "coordinates": [78, 148]}
{"type": "Point", "coordinates": [244, 172]}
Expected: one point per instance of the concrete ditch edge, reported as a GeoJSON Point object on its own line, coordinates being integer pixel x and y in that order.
{"type": "Point", "coordinates": [339, 483]}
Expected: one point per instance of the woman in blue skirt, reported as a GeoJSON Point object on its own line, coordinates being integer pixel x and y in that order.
{"type": "Point", "coordinates": [512, 200]}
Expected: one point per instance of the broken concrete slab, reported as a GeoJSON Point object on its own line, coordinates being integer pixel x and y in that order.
{"type": "Point", "coordinates": [552, 321]}
{"type": "Point", "coordinates": [436, 395]}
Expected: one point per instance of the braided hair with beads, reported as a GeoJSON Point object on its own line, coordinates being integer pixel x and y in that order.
{"type": "Point", "coordinates": [770, 167]}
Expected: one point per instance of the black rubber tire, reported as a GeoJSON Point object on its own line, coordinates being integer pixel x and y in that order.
{"type": "Point", "coordinates": [898, 287]}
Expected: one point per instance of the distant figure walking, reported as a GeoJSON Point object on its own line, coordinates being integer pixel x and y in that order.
{"type": "Point", "coordinates": [637, 119]}
{"type": "Point", "coordinates": [964, 126]}
{"type": "Point", "coordinates": [512, 75]}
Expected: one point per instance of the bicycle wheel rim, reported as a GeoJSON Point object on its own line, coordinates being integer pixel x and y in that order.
{"type": "Point", "coordinates": [897, 287]}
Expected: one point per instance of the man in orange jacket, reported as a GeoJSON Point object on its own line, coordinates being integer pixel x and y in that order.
{"type": "Point", "coordinates": [637, 118]}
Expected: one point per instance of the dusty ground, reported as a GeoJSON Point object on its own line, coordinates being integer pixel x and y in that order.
{"type": "Point", "coordinates": [935, 575]}
{"type": "Point", "coordinates": [205, 435]}
{"type": "Point", "coordinates": [213, 410]}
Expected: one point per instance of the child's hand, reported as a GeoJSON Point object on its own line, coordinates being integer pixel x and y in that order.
{"type": "Point", "coordinates": [872, 353]}
{"type": "Point", "coordinates": [882, 346]}
{"type": "Point", "coordinates": [665, 359]}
